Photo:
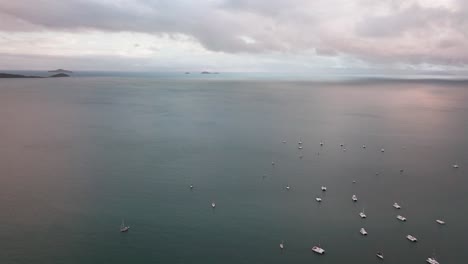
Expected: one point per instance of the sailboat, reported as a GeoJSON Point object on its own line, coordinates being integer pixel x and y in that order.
{"type": "Point", "coordinates": [379, 255]}
{"type": "Point", "coordinates": [124, 228]}
{"type": "Point", "coordinates": [362, 214]}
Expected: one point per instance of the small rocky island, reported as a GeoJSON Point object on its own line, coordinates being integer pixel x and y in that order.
{"type": "Point", "coordinates": [58, 75]}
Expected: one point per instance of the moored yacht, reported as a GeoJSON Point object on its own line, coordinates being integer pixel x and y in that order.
{"type": "Point", "coordinates": [379, 255]}
{"type": "Point", "coordinates": [123, 227]}
{"type": "Point", "coordinates": [412, 238]}
{"type": "Point", "coordinates": [401, 218]}
{"type": "Point", "coordinates": [397, 206]}
{"type": "Point", "coordinates": [432, 261]}
{"type": "Point", "coordinates": [363, 231]}
{"type": "Point", "coordinates": [362, 214]}
{"type": "Point", "coordinates": [440, 222]}
{"type": "Point", "coordinates": [354, 198]}
{"type": "Point", "coordinates": [318, 250]}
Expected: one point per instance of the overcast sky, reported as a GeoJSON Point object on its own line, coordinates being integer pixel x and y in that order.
{"type": "Point", "coordinates": [234, 35]}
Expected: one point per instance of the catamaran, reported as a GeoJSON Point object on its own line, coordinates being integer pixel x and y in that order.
{"type": "Point", "coordinates": [401, 218]}
{"type": "Point", "coordinates": [318, 250]}
{"type": "Point", "coordinates": [412, 238]}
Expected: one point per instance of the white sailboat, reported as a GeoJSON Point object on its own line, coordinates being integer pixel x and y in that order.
{"type": "Point", "coordinates": [379, 255]}
{"type": "Point", "coordinates": [362, 214]}
{"type": "Point", "coordinates": [123, 227]}
{"type": "Point", "coordinates": [363, 231]}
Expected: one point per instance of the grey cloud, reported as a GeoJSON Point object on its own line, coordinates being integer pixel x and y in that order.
{"type": "Point", "coordinates": [332, 28]}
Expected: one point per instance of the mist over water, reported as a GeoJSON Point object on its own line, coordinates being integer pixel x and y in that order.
{"type": "Point", "coordinates": [77, 155]}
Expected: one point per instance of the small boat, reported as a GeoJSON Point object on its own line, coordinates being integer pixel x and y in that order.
{"type": "Point", "coordinates": [300, 142]}
{"type": "Point", "coordinates": [397, 206]}
{"type": "Point", "coordinates": [272, 163]}
{"type": "Point", "coordinates": [354, 198]}
{"type": "Point", "coordinates": [379, 255]}
{"type": "Point", "coordinates": [191, 186]}
{"type": "Point", "coordinates": [213, 204]}
{"type": "Point", "coordinates": [287, 187]}
{"type": "Point", "coordinates": [364, 146]}
{"type": "Point", "coordinates": [354, 181]}
{"type": "Point", "coordinates": [341, 145]}
{"type": "Point", "coordinates": [401, 171]}
{"type": "Point", "coordinates": [344, 149]}
{"type": "Point", "coordinates": [284, 141]}
{"type": "Point", "coordinates": [362, 214]}
{"type": "Point", "coordinates": [363, 231]}
{"type": "Point", "coordinates": [440, 222]}
{"type": "Point", "coordinates": [300, 147]}
{"type": "Point", "coordinates": [318, 199]}
{"type": "Point", "coordinates": [318, 250]}
{"type": "Point", "coordinates": [401, 218]}
{"type": "Point", "coordinates": [432, 261]}
{"type": "Point", "coordinates": [324, 188]}
{"type": "Point", "coordinates": [123, 227]}
{"type": "Point", "coordinates": [455, 166]}
{"type": "Point", "coordinates": [382, 150]}
{"type": "Point", "coordinates": [281, 245]}
{"type": "Point", "coordinates": [411, 238]}
{"type": "Point", "coordinates": [321, 143]}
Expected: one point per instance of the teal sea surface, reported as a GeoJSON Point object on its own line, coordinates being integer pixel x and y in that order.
{"type": "Point", "coordinates": [78, 155]}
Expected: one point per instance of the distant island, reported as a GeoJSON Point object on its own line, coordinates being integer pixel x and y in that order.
{"type": "Point", "coordinates": [7, 75]}
{"type": "Point", "coordinates": [61, 71]}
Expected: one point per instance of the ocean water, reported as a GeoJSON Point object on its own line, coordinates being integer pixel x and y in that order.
{"type": "Point", "coordinates": [78, 155]}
